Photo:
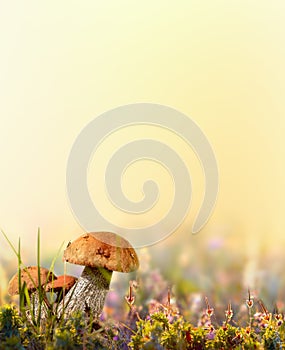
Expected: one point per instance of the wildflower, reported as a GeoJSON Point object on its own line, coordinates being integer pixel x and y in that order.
{"type": "Point", "coordinates": [211, 335]}
{"type": "Point", "coordinates": [229, 312]}
{"type": "Point", "coordinates": [167, 307]}
{"type": "Point", "coordinates": [247, 330]}
{"type": "Point", "coordinates": [211, 331]}
{"type": "Point", "coordinates": [279, 319]}
{"type": "Point", "coordinates": [264, 325]}
{"type": "Point", "coordinates": [258, 316]}
{"type": "Point", "coordinates": [249, 301]}
{"type": "Point", "coordinates": [267, 317]}
{"type": "Point", "coordinates": [170, 318]}
{"type": "Point", "coordinates": [130, 298]}
{"type": "Point", "coordinates": [209, 310]}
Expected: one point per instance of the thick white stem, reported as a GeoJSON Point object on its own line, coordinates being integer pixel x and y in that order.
{"type": "Point", "coordinates": [88, 294]}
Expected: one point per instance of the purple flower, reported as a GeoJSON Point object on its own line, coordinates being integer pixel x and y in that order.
{"type": "Point", "coordinates": [170, 318]}
{"type": "Point", "coordinates": [211, 335]}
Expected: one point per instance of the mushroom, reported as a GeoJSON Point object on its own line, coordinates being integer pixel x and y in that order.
{"type": "Point", "coordinates": [29, 276]}
{"type": "Point", "coordinates": [101, 253]}
{"type": "Point", "coordinates": [61, 286]}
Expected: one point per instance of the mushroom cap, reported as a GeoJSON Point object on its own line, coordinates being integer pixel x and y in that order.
{"type": "Point", "coordinates": [64, 281]}
{"type": "Point", "coordinates": [31, 283]}
{"type": "Point", "coordinates": [102, 249]}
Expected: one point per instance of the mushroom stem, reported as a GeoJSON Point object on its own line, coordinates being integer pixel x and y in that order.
{"type": "Point", "coordinates": [89, 292]}
{"type": "Point", "coordinates": [35, 306]}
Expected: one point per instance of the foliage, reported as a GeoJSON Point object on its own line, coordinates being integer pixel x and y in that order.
{"type": "Point", "coordinates": [153, 316]}
{"type": "Point", "coordinates": [157, 332]}
{"type": "Point", "coordinates": [163, 329]}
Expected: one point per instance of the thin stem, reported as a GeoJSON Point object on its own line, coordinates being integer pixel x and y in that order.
{"type": "Point", "coordinates": [51, 268]}
{"type": "Point", "coordinates": [21, 290]}
{"type": "Point", "coordinates": [39, 278]}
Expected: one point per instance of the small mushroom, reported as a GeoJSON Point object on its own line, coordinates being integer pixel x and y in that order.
{"type": "Point", "coordinates": [61, 286]}
{"type": "Point", "coordinates": [29, 276]}
{"type": "Point", "coordinates": [101, 253]}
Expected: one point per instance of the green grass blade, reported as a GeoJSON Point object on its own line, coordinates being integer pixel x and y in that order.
{"type": "Point", "coordinates": [11, 245]}
{"type": "Point", "coordinates": [39, 278]}
{"type": "Point", "coordinates": [22, 296]}
{"type": "Point", "coordinates": [51, 268]}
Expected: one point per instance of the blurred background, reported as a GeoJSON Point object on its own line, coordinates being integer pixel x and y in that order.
{"type": "Point", "coordinates": [221, 63]}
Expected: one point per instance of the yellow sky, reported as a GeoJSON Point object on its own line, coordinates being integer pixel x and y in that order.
{"type": "Point", "coordinates": [64, 63]}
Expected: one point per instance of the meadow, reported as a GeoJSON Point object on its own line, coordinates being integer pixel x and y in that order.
{"type": "Point", "coordinates": [193, 301]}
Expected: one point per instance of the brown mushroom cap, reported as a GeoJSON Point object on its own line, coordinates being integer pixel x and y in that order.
{"type": "Point", "coordinates": [102, 249]}
{"type": "Point", "coordinates": [32, 284]}
{"type": "Point", "coordinates": [64, 281]}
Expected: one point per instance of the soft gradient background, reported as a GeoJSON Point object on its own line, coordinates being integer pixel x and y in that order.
{"type": "Point", "coordinates": [220, 62]}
